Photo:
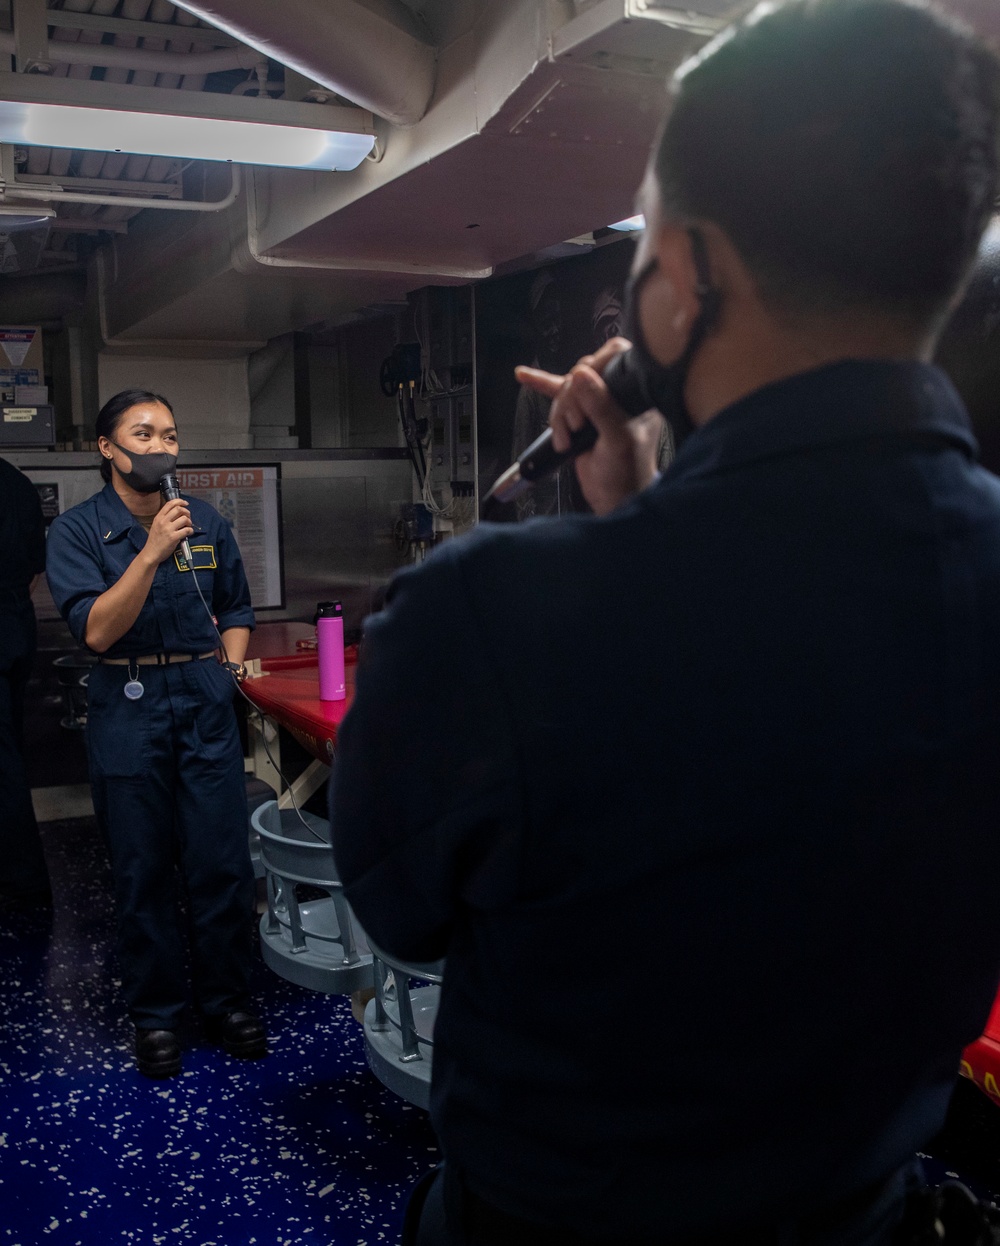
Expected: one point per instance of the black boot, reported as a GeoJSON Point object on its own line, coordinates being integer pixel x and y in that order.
{"type": "Point", "coordinates": [241, 1033]}
{"type": "Point", "coordinates": [157, 1053]}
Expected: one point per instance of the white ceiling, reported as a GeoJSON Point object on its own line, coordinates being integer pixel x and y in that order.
{"type": "Point", "coordinates": [538, 131]}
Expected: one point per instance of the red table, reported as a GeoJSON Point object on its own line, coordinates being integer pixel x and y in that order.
{"type": "Point", "coordinates": [288, 691]}
{"type": "Point", "coordinates": [981, 1059]}
{"type": "Point", "coordinates": [274, 640]}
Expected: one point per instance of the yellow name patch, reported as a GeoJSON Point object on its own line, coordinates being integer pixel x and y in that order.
{"type": "Point", "coordinates": [203, 557]}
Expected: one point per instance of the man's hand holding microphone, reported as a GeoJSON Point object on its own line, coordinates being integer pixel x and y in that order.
{"type": "Point", "coordinates": [622, 460]}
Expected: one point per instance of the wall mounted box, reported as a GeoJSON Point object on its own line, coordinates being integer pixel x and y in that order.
{"type": "Point", "coordinates": [27, 426]}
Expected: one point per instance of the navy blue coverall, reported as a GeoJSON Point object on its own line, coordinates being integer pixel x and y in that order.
{"type": "Point", "coordinates": [22, 539]}
{"type": "Point", "coordinates": [166, 769]}
{"type": "Point", "coordinates": [700, 801]}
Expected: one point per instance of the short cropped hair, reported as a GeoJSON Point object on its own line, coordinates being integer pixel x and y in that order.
{"type": "Point", "coordinates": [848, 148]}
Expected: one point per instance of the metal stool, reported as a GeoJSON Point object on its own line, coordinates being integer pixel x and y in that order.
{"type": "Point", "coordinates": [258, 793]}
{"type": "Point", "coordinates": [399, 1025]}
{"type": "Point", "coordinates": [73, 672]}
{"type": "Point", "coordinates": [308, 934]}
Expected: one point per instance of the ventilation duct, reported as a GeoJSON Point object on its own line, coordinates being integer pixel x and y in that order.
{"type": "Point", "coordinates": [372, 52]}
{"type": "Point", "coordinates": [139, 59]}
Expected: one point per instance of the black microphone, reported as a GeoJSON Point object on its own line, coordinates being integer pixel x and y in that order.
{"type": "Point", "coordinates": [626, 385]}
{"type": "Point", "coordinates": [170, 490]}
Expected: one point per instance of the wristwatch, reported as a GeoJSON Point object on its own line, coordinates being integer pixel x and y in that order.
{"type": "Point", "coordinates": [238, 669]}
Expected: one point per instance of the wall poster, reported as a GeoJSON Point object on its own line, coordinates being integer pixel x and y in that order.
{"type": "Point", "coordinates": [247, 499]}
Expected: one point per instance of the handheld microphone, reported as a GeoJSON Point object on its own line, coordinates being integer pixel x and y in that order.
{"type": "Point", "coordinates": [626, 385]}
{"type": "Point", "coordinates": [170, 490]}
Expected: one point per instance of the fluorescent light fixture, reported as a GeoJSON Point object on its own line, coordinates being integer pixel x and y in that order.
{"type": "Point", "coordinates": [39, 111]}
{"type": "Point", "coordinates": [190, 138]}
{"type": "Point", "coordinates": [630, 224]}
{"type": "Point", "coordinates": [17, 217]}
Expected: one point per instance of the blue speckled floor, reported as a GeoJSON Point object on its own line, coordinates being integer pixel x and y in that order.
{"type": "Point", "coordinates": [302, 1147]}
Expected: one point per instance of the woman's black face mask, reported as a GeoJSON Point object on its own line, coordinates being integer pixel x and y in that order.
{"type": "Point", "coordinates": [662, 385]}
{"type": "Point", "coordinates": [146, 469]}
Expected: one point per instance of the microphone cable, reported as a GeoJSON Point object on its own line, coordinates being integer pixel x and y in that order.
{"type": "Point", "coordinates": [260, 714]}
{"type": "Point", "coordinates": [185, 549]}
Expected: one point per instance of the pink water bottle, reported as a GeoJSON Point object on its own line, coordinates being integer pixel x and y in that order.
{"type": "Point", "coordinates": [330, 645]}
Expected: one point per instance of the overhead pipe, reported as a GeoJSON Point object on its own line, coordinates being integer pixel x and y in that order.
{"type": "Point", "coordinates": [372, 52]}
{"type": "Point", "coordinates": [109, 56]}
{"type": "Point", "coordinates": [14, 190]}
{"type": "Point", "coordinates": [130, 26]}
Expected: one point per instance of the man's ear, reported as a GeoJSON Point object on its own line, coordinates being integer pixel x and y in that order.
{"type": "Point", "coordinates": [676, 262]}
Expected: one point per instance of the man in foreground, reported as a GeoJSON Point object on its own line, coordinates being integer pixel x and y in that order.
{"type": "Point", "coordinates": [699, 795]}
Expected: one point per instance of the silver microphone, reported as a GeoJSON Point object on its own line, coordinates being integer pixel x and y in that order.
{"type": "Point", "coordinates": [170, 490]}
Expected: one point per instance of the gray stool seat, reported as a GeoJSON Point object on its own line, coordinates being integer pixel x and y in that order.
{"type": "Point", "coordinates": [258, 793]}
{"type": "Point", "coordinates": [73, 672]}
{"type": "Point", "coordinates": [313, 941]}
{"type": "Point", "coordinates": [399, 1025]}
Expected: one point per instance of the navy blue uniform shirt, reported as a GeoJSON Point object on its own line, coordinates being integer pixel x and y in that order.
{"type": "Point", "coordinates": [22, 530]}
{"type": "Point", "coordinates": [701, 800]}
{"type": "Point", "coordinates": [91, 545]}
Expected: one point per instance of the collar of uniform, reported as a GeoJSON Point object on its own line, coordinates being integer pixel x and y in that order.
{"type": "Point", "coordinates": [115, 519]}
{"type": "Point", "coordinates": [855, 400]}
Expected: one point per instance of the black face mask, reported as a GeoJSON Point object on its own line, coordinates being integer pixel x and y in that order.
{"type": "Point", "coordinates": [146, 468]}
{"type": "Point", "coordinates": [662, 385]}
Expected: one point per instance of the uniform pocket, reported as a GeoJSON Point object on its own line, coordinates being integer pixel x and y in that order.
{"type": "Point", "coordinates": [223, 681]}
{"type": "Point", "coordinates": [202, 559]}
{"type": "Point", "coordinates": [195, 581]}
{"type": "Point", "coordinates": [215, 722]}
{"type": "Point", "coordinates": [117, 728]}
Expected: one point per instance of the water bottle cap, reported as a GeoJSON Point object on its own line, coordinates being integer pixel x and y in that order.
{"type": "Point", "coordinates": [329, 610]}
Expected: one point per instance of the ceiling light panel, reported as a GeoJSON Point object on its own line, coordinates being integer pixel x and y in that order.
{"type": "Point", "coordinates": [96, 116]}
{"type": "Point", "coordinates": [630, 225]}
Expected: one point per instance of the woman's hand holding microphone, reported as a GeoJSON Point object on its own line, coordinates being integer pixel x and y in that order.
{"type": "Point", "coordinates": [171, 525]}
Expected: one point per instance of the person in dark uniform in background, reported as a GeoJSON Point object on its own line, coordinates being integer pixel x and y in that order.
{"type": "Point", "coordinates": [166, 763]}
{"type": "Point", "coordinates": [531, 414]}
{"type": "Point", "coordinates": [698, 796]}
{"type": "Point", "coordinates": [22, 539]}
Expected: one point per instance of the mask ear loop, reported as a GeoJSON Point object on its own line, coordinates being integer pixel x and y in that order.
{"type": "Point", "coordinates": [710, 303]}
{"type": "Point", "coordinates": [708, 294]}
{"type": "Point", "coordinates": [641, 382]}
